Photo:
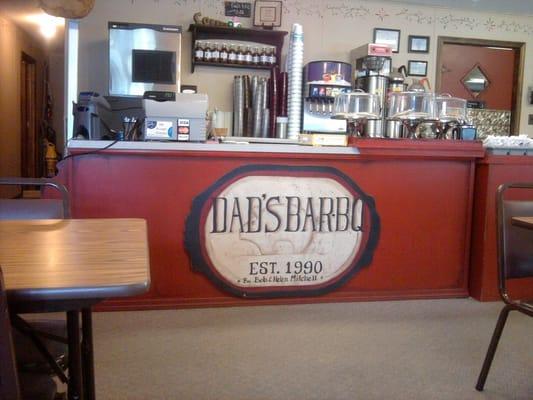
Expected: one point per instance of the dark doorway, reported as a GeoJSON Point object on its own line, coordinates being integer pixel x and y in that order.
{"type": "Point", "coordinates": [29, 139]}
{"type": "Point", "coordinates": [486, 71]}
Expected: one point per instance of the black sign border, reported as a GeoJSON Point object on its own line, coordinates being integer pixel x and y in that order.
{"type": "Point", "coordinates": [240, 11]}
{"type": "Point", "coordinates": [193, 235]}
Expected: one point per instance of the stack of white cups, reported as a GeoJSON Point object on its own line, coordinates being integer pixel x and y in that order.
{"type": "Point", "coordinates": [295, 61]}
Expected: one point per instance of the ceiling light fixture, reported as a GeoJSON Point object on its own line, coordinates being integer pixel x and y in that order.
{"type": "Point", "coordinates": [72, 9]}
{"type": "Point", "coordinates": [47, 24]}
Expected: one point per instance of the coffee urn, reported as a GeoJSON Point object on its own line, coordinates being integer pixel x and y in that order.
{"type": "Point", "coordinates": [395, 128]}
{"type": "Point", "coordinates": [372, 77]}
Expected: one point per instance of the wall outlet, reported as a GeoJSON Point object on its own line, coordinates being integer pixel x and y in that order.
{"type": "Point", "coordinates": [530, 119]}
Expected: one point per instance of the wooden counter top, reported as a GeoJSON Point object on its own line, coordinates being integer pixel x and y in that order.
{"type": "Point", "coordinates": [358, 148]}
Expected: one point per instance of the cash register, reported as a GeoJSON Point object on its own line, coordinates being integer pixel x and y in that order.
{"type": "Point", "coordinates": [181, 119]}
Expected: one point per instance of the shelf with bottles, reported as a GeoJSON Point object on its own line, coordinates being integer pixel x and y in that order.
{"type": "Point", "coordinates": [269, 40]}
{"type": "Point", "coordinates": [234, 54]}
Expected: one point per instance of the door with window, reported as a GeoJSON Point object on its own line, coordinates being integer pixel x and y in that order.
{"type": "Point", "coordinates": [484, 72]}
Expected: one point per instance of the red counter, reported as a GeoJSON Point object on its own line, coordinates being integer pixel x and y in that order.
{"type": "Point", "coordinates": [423, 192]}
{"type": "Point", "coordinates": [491, 172]}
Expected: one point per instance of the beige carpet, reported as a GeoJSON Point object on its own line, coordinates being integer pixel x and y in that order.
{"type": "Point", "coordinates": [379, 350]}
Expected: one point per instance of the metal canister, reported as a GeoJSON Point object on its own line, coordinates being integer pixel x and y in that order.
{"type": "Point", "coordinates": [395, 129]}
{"type": "Point", "coordinates": [281, 127]}
{"type": "Point", "coordinates": [375, 84]}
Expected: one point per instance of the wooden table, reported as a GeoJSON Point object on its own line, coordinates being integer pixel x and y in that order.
{"type": "Point", "coordinates": [524, 222]}
{"type": "Point", "coordinates": [70, 265]}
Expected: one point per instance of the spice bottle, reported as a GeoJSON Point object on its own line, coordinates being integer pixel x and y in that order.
{"type": "Point", "coordinates": [248, 58]}
{"type": "Point", "coordinates": [255, 56]}
{"type": "Point", "coordinates": [198, 51]}
{"type": "Point", "coordinates": [263, 57]}
{"type": "Point", "coordinates": [240, 55]}
{"type": "Point", "coordinates": [232, 55]}
{"type": "Point", "coordinates": [215, 53]}
{"type": "Point", "coordinates": [207, 52]}
{"type": "Point", "coordinates": [272, 57]}
{"type": "Point", "coordinates": [223, 55]}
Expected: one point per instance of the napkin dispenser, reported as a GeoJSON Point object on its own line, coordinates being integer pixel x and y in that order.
{"type": "Point", "coordinates": [182, 120]}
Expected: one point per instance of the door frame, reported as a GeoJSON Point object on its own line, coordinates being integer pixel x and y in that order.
{"type": "Point", "coordinates": [30, 148]}
{"type": "Point", "coordinates": [518, 68]}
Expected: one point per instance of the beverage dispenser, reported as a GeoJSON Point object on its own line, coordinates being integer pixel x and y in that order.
{"type": "Point", "coordinates": [323, 82]}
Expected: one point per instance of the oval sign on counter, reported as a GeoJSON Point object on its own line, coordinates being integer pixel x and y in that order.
{"type": "Point", "coordinates": [271, 230]}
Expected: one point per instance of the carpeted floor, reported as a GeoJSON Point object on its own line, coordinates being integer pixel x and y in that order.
{"type": "Point", "coordinates": [380, 350]}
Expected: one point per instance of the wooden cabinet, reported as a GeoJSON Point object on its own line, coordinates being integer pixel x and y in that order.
{"type": "Point", "coordinates": [260, 36]}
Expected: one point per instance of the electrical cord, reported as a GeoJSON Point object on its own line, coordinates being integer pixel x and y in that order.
{"type": "Point", "coordinates": [90, 152]}
{"type": "Point", "coordinates": [112, 131]}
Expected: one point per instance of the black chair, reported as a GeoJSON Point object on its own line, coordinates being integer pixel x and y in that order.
{"type": "Point", "coordinates": [40, 345]}
{"type": "Point", "coordinates": [34, 208]}
{"type": "Point", "coordinates": [515, 260]}
{"type": "Point", "coordinates": [32, 385]}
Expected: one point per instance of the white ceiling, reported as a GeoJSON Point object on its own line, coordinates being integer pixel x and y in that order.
{"type": "Point", "coordinates": [20, 13]}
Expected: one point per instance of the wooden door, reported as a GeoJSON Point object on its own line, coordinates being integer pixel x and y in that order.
{"type": "Point", "coordinates": [498, 65]}
{"type": "Point", "coordinates": [30, 146]}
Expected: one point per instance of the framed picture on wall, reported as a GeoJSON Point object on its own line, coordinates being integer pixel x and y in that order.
{"type": "Point", "coordinates": [418, 44]}
{"type": "Point", "coordinates": [388, 36]}
{"type": "Point", "coordinates": [417, 68]}
{"type": "Point", "coordinates": [267, 13]}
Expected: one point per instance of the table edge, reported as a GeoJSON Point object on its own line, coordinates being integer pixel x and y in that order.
{"type": "Point", "coordinates": [21, 295]}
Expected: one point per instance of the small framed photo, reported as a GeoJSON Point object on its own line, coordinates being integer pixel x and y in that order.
{"type": "Point", "coordinates": [417, 68]}
{"type": "Point", "coordinates": [418, 44]}
{"type": "Point", "coordinates": [267, 13]}
{"type": "Point", "coordinates": [388, 36]}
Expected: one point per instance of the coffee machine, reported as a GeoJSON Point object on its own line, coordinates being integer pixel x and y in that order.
{"type": "Point", "coordinates": [372, 63]}
{"type": "Point", "coordinates": [323, 81]}
{"type": "Point", "coordinates": [92, 116]}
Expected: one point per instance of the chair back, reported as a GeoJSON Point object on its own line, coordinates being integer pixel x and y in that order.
{"type": "Point", "coordinates": [9, 386]}
{"type": "Point", "coordinates": [35, 208]}
{"type": "Point", "coordinates": [515, 243]}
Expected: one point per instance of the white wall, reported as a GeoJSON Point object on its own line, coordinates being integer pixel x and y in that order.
{"type": "Point", "coordinates": [56, 71]}
{"type": "Point", "coordinates": [331, 28]}
{"type": "Point", "coordinates": [14, 41]}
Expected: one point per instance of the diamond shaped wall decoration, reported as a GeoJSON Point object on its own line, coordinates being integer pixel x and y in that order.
{"type": "Point", "coordinates": [475, 81]}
